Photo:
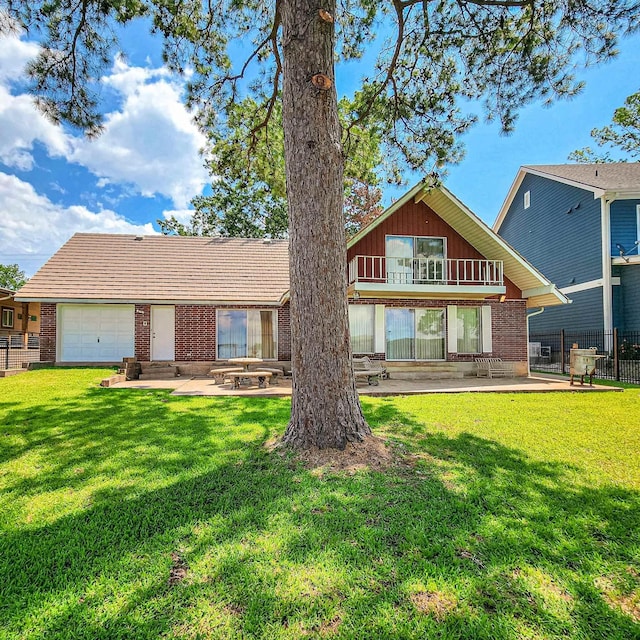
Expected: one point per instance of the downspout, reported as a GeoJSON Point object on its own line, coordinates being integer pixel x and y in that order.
{"type": "Point", "coordinates": [607, 293]}
{"type": "Point", "coordinates": [530, 315]}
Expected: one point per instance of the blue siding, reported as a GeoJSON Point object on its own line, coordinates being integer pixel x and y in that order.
{"type": "Point", "coordinates": [624, 225]}
{"type": "Point", "coordinates": [584, 314]}
{"type": "Point", "coordinates": [630, 286]}
{"type": "Point", "coordinates": [559, 233]}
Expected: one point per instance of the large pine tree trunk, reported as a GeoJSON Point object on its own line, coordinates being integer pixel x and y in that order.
{"type": "Point", "coordinates": [325, 409]}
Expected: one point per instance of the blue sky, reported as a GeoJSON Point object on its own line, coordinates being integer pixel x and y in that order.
{"type": "Point", "coordinates": [54, 182]}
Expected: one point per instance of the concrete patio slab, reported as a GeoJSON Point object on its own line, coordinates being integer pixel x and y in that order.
{"type": "Point", "coordinates": [533, 384]}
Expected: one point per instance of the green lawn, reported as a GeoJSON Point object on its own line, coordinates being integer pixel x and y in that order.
{"type": "Point", "coordinates": [134, 514]}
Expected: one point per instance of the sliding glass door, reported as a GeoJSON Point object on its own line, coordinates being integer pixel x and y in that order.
{"type": "Point", "coordinates": [415, 259]}
{"type": "Point", "coordinates": [399, 252]}
{"type": "Point", "coordinates": [415, 334]}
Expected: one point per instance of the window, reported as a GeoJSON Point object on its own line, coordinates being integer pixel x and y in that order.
{"type": "Point", "coordinates": [527, 199]}
{"type": "Point", "coordinates": [415, 334]}
{"type": "Point", "coordinates": [7, 317]}
{"type": "Point", "coordinates": [361, 327]}
{"type": "Point", "coordinates": [469, 330]}
{"type": "Point", "coordinates": [246, 333]}
{"type": "Point", "coordinates": [415, 259]}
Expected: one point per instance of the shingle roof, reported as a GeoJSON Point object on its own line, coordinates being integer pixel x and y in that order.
{"type": "Point", "coordinates": [614, 176]}
{"type": "Point", "coordinates": [163, 268]}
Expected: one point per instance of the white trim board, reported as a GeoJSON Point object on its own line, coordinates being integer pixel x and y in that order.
{"type": "Point", "coordinates": [586, 286]}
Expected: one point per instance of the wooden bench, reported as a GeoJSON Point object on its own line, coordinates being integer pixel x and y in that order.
{"type": "Point", "coordinates": [367, 368]}
{"type": "Point", "coordinates": [260, 376]}
{"type": "Point", "coordinates": [221, 373]}
{"type": "Point", "coordinates": [494, 368]}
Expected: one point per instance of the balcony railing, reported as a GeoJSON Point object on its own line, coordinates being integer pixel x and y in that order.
{"type": "Point", "coordinates": [426, 271]}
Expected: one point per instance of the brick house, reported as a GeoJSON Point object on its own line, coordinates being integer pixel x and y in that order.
{"type": "Point", "coordinates": [430, 287]}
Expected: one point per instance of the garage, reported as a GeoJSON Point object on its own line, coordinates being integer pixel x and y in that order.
{"type": "Point", "coordinates": [95, 332]}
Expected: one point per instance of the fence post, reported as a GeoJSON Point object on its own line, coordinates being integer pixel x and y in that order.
{"type": "Point", "coordinates": [562, 350]}
{"type": "Point", "coordinates": [616, 359]}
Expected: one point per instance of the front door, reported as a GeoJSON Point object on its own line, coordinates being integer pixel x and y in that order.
{"type": "Point", "coordinates": [163, 332]}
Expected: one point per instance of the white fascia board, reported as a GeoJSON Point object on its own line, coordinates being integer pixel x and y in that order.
{"type": "Point", "coordinates": [623, 194]}
{"type": "Point", "coordinates": [546, 290]}
{"type": "Point", "coordinates": [620, 261]}
{"type": "Point", "coordinates": [586, 286]}
{"type": "Point", "coordinates": [414, 191]}
{"type": "Point", "coordinates": [597, 191]}
{"type": "Point", "coordinates": [511, 194]}
{"type": "Point", "coordinates": [166, 302]}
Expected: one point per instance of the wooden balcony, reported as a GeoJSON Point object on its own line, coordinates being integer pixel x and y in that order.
{"type": "Point", "coordinates": [372, 276]}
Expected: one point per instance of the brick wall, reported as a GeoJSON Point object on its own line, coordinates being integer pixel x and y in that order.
{"type": "Point", "coordinates": [284, 333]}
{"type": "Point", "coordinates": [509, 321]}
{"type": "Point", "coordinates": [47, 332]}
{"type": "Point", "coordinates": [195, 332]}
{"type": "Point", "coordinates": [508, 325]}
{"type": "Point", "coordinates": [143, 332]}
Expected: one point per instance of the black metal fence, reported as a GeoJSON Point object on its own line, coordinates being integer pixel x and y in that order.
{"type": "Point", "coordinates": [549, 351]}
{"type": "Point", "coordinates": [15, 354]}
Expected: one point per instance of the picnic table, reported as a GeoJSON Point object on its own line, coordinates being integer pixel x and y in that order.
{"type": "Point", "coordinates": [245, 362]}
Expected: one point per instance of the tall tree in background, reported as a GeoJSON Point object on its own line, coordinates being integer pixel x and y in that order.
{"type": "Point", "coordinates": [621, 136]}
{"type": "Point", "coordinates": [248, 193]}
{"type": "Point", "coordinates": [12, 277]}
{"type": "Point", "coordinates": [433, 54]}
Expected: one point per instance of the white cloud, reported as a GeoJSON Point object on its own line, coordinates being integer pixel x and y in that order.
{"type": "Point", "coordinates": [14, 56]}
{"type": "Point", "coordinates": [21, 125]}
{"type": "Point", "coordinates": [149, 142]}
{"type": "Point", "coordinates": [34, 228]}
{"type": "Point", "coordinates": [181, 215]}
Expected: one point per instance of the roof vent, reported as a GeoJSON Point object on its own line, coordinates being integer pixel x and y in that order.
{"type": "Point", "coordinates": [266, 240]}
{"type": "Point", "coordinates": [138, 238]}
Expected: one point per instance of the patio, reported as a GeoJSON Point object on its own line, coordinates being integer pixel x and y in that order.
{"type": "Point", "coordinates": [202, 386]}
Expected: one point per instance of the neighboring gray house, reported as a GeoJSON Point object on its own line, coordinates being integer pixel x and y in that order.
{"type": "Point", "coordinates": [579, 224]}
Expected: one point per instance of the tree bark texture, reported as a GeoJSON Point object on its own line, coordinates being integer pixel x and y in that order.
{"type": "Point", "coordinates": [325, 409]}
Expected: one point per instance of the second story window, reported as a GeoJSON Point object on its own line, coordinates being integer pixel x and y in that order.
{"type": "Point", "coordinates": [415, 259]}
{"type": "Point", "coordinates": [527, 199]}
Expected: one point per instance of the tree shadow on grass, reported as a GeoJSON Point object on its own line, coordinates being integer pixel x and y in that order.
{"type": "Point", "coordinates": [470, 539]}
{"type": "Point", "coordinates": [129, 432]}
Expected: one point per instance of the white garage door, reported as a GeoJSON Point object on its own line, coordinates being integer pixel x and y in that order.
{"type": "Point", "coordinates": [95, 332]}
